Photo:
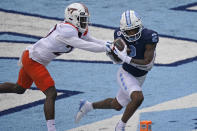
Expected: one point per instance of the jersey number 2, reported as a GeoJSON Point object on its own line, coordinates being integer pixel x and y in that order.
{"type": "Point", "coordinates": [133, 51]}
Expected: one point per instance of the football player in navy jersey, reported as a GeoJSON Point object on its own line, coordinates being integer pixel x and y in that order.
{"type": "Point", "coordinates": [135, 66]}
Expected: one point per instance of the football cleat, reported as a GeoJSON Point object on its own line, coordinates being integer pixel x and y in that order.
{"type": "Point", "coordinates": [84, 108]}
{"type": "Point", "coordinates": [118, 128]}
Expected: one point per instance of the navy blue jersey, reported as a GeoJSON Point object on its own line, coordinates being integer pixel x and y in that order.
{"type": "Point", "coordinates": [138, 49]}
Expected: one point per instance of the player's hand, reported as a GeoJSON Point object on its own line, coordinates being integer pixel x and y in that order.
{"type": "Point", "coordinates": [110, 52]}
{"type": "Point", "coordinates": [108, 46]}
{"type": "Point", "coordinates": [123, 55]}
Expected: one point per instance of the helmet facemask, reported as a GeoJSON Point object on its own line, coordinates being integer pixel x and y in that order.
{"type": "Point", "coordinates": [133, 34]}
{"type": "Point", "coordinates": [83, 21]}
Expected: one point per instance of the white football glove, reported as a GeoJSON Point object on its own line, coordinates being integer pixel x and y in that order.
{"type": "Point", "coordinates": [108, 46]}
{"type": "Point", "coordinates": [109, 50]}
{"type": "Point", "coordinates": [123, 55]}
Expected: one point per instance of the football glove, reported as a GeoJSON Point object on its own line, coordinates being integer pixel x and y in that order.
{"type": "Point", "coordinates": [123, 55]}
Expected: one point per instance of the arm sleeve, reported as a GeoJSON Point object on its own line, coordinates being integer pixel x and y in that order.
{"type": "Point", "coordinates": [81, 44]}
{"type": "Point", "coordinates": [89, 38]}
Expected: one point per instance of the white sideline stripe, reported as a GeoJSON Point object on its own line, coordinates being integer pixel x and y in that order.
{"type": "Point", "coordinates": [168, 50]}
{"type": "Point", "coordinates": [11, 100]}
{"type": "Point", "coordinates": [132, 125]}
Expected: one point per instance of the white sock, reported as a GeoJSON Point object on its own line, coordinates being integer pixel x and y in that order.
{"type": "Point", "coordinates": [51, 125]}
{"type": "Point", "coordinates": [121, 123]}
{"type": "Point", "coordinates": [90, 107]}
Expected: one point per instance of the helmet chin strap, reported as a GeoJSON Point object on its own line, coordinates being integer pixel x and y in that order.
{"type": "Point", "coordinates": [82, 30]}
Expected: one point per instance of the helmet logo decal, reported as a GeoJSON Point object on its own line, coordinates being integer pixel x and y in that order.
{"type": "Point", "coordinates": [71, 10]}
{"type": "Point", "coordinates": [133, 51]}
{"type": "Point", "coordinates": [119, 33]}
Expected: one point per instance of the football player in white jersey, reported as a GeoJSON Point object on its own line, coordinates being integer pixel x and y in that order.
{"type": "Point", "coordinates": [135, 66]}
{"type": "Point", "coordinates": [63, 38]}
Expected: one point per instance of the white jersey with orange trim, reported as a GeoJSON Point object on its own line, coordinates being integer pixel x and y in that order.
{"type": "Point", "coordinates": [63, 38]}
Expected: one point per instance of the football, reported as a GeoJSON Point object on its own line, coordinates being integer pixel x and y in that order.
{"type": "Point", "coordinates": [120, 45]}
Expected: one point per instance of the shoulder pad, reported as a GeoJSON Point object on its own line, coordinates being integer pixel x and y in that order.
{"type": "Point", "coordinates": [150, 36]}
{"type": "Point", "coordinates": [117, 34]}
{"type": "Point", "coordinates": [68, 30]}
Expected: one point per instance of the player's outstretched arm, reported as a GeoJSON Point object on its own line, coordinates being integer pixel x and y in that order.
{"type": "Point", "coordinates": [82, 44]}
{"type": "Point", "coordinates": [90, 38]}
{"type": "Point", "coordinates": [123, 55]}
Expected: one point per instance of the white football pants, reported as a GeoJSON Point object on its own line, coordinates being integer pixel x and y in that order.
{"type": "Point", "coordinates": [128, 83]}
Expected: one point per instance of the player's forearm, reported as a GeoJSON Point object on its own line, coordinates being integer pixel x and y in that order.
{"type": "Point", "coordinates": [141, 61]}
{"type": "Point", "coordinates": [93, 39]}
{"type": "Point", "coordinates": [148, 57]}
{"type": "Point", "coordinates": [82, 44]}
{"type": "Point", "coordinates": [92, 48]}
{"type": "Point", "coordinates": [89, 46]}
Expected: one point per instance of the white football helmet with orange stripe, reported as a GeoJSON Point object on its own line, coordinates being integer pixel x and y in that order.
{"type": "Point", "coordinates": [131, 25]}
{"type": "Point", "coordinates": [78, 15]}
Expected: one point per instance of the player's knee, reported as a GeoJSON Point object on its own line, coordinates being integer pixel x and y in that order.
{"type": "Point", "coordinates": [19, 89]}
{"type": "Point", "coordinates": [118, 108]}
{"type": "Point", "coordinates": [51, 93]}
{"type": "Point", "coordinates": [137, 98]}
{"type": "Point", "coordinates": [116, 105]}
{"type": "Point", "coordinates": [140, 100]}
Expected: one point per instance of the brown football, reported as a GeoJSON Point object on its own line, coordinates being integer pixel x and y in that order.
{"type": "Point", "coordinates": [119, 44]}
